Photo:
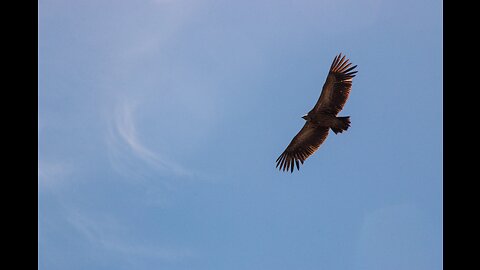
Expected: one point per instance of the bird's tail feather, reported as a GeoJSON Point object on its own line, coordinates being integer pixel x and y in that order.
{"type": "Point", "coordinates": [342, 124]}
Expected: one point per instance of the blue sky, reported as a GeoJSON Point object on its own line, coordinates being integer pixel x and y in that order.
{"type": "Point", "coordinates": [159, 124]}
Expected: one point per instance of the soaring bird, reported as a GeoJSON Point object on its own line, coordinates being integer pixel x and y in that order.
{"type": "Point", "coordinates": [322, 117]}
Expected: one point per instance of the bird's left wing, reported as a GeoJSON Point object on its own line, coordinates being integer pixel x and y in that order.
{"type": "Point", "coordinates": [303, 145]}
{"type": "Point", "coordinates": [337, 86]}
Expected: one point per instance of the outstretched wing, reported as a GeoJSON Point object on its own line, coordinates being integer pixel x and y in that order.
{"type": "Point", "coordinates": [303, 145]}
{"type": "Point", "coordinates": [337, 87]}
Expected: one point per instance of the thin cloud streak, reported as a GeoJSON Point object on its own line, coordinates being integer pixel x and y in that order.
{"type": "Point", "coordinates": [123, 134]}
{"type": "Point", "coordinates": [385, 237]}
{"type": "Point", "coordinates": [107, 233]}
{"type": "Point", "coordinates": [52, 174]}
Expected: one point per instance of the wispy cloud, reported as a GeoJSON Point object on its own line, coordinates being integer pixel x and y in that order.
{"type": "Point", "coordinates": [51, 174]}
{"type": "Point", "coordinates": [107, 233]}
{"type": "Point", "coordinates": [398, 235]}
{"type": "Point", "coordinates": [126, 148]}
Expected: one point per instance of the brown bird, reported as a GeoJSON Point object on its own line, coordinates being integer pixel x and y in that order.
{"type": "Point", "coordinates": [322, 117]}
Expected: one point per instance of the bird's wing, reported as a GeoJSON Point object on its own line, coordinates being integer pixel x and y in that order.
{"type": "Point", "coordinates": [337, 86]}
{"type": "Point", "coordinates": [303, 145]}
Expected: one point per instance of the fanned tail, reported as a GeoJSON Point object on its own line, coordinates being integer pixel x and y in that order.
{"type": "Point", "coordinates": [342, 124]}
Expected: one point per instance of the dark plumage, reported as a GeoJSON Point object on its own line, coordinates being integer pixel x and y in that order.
{"type": "Point", "coordinates": [322, 117]}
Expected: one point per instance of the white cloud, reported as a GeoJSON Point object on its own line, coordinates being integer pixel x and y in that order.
{"type": "Point", "coordinates": [52, 174]}
{"type": "Point", "coordinates": [107, 233]}
{"type": "Point", "coordinates": [125, 147]}
{"type": "Point", "coordinates": [398, 237]}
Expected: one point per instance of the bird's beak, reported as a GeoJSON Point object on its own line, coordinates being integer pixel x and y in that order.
{"type": "Point", "coordinates": [304, 117]}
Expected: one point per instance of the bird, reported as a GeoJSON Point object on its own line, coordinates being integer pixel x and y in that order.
{"type": "Point", "coordinates": [322, 117]}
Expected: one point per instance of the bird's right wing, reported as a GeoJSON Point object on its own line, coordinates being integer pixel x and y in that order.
{"type": "Point", "coordinates": [303, 145]}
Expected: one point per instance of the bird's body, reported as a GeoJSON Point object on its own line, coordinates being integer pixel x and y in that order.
{"type": "Point", "coordinates": [322, 117]}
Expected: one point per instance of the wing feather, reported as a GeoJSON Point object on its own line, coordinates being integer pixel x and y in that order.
{"type": "Point", "coordinates": [303, 145]}
{"type": "Point", "coordinates": [337, 86]}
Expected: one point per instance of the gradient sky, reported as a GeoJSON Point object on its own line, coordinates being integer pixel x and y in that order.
{"type": "Point", "coordinates": [160, 123]}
